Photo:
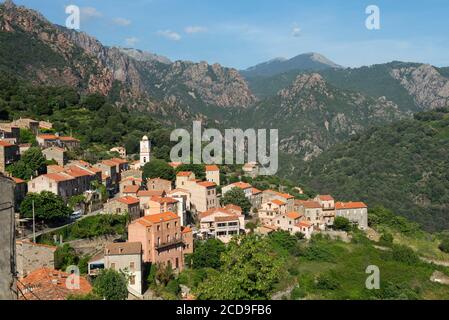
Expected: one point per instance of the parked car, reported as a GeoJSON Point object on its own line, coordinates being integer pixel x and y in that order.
{"type": "Point", "coordinates": [76, 215]}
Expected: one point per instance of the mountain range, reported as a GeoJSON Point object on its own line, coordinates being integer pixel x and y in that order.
{"type": "Point", "coordinates": [314, 102]}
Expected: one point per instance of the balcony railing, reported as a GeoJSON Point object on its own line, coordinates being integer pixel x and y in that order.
{"type": "Point", "coordinates": [170, 243]}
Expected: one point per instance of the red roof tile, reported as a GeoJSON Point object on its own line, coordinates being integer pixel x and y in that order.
{"type": "Point", "coordinates": [350, 205]}
{"type": "Point", "coordinates": [212, 168]}
{"type": "Point", "coordinates": [128, 200]}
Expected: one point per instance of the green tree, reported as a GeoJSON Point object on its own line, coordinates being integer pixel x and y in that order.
{"type": "Point", "coordinates": [47, 205]}
{"type": "Point", "coordinates": [111, 285]}
{"type": "Point", "coordinates": [32, 164]}
{"type": "Point", "coordinates": [342, 224]}
{"type": "Point", "coordinates": [164, 274]}
{"type": "Point", "coordinates": [237, 197]}
{"type": "Point", "coordinates": [207, 254]}
{"type": "Point", "coordinates": [65, 256]}
{"type": "Point", "coordinates": [386, 239]}
{"type": "Point", "coordinates": [26, 136]}
{"type": "Point", "coordinates": [158, 169]}
{"type": "Point", "coordinates": [250, 269]}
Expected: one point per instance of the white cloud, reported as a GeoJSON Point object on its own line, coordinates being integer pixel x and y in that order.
{"type": "Point", "coordinates": [90, 12]}
{"type": "Point", "coordinates": [296, 31]}
{"type": "Point", "coordinates": [131, 41]}
{"type": "Point", "coordinates": [122, 22]}
{"type": "Point", "coordinates": [171, 35]}
{"type": "Point", "coordinates": [195, 29]}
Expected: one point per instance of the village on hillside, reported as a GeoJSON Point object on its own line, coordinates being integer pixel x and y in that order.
{"type": "Point", "coordinates": [166, 217]}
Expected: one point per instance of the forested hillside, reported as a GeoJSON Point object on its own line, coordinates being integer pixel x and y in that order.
{"type": "Point", "coordinates": [403, 166]}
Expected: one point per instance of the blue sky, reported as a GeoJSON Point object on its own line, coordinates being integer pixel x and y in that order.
{"type": "Point", "coordinates": [241, 33]}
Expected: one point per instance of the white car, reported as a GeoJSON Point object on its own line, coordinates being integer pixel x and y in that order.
{"type": "Point", "coordinates": [76, 215]}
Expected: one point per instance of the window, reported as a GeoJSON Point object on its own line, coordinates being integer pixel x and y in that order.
{"type": "Point", "coordinates": [158, 228]}
{"type": "Point", "coordinates": [113, 266]}
{"type": "Point", "coordinates": [168, 225]}
{"type": "Point", "coordinates": [131, 266]}
{"type": "Point", "coordinates": [132, 280]}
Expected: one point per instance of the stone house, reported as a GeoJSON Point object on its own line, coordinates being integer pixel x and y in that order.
{"type": "Point", "coordinates": [213, 174]}
{"type": "Point", "coordinates": [120, 150]}
{"type": "Point", "coordinates": [9, 153]}
{"type": "Point", "coordinates": [327, 203]}
{"type": "Point", "coordinates": [312, 212]}
{"type": "Point", "coordinates": [356, 212]}
{"type": "Point", "coordinates": [57, 154]}
{"type": "Point", "coordinates": [183, 197]}
{"type": "Point", "coordinates": [69, 143]}
{"type": "Point", "coordinates": [288, 221]}
{"type": "Point", "coordinates": [8, 131]}
{"type": "Point", "coordinates": [28, 124]}
{"type": "Point", "coordinates": [159, 184]}
{"type": "Point", "coordinates": [268, 195]}
{"type": "Point", "coordinates": [221, 223]}
{"type": "Point", "coordinates": [126, 257]}
{"type": "Point", "coordinates": [20, 191]}
{"type": "Point", "coordinates": [110, 176]}
{"type": "Point", "coordinates": [157, 205]}
{"type": "Point", "coordinates": [123, 205]}
{"type": "Point", "coordinates": [144, 197]}
{"type": "Point", "coordinates": [61, 184]}
{"type": "Point", "coordinates": [130, 191]}
{"type": "Point", "coordinates": [48, 140]}
{"type": "Point", "coordinates": [203, 195]}
{"type": "Point", "coordinates": [162, 239]}
{"type": "Point", "coordinates": [183, 177]}
{"type": "Point", "coordinates": [251, 169]}
{"type": "Point", "coordinates": [271, 210]}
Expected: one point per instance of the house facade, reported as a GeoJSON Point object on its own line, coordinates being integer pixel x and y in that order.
{"type": "Point", "coordinates": [127, 258]}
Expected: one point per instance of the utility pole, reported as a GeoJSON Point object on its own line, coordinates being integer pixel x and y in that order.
{"type": "Point", "coordinates": [34, 223]}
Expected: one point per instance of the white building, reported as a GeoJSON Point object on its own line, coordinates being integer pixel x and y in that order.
{"type": "Point", "coordinates": [145, 151]}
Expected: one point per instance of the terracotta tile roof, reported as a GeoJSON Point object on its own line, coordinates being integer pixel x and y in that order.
{"type": "Point", "coordinates": [207, 184]}
{"type": "Point", "coordinates": [278, 202]}
{"type": "Point", "coordinates": [309, 204]}
{"type": "Point", "coordinates": [325, 197]}
{"type": "Point", "coordinates": [241, 185]}
{"type": "Point", "coordinates": [119, 161]}
{"type": "Point", "coordinates": [150, 193]}
{"type": "Point", "coordinates": [304, 224]}
{"type": "Point", "coordinates": [184, 174]}
{"type": "Point", "coordinates": [50, 284]}
{"type": "Point", "coordinates": [256, 191]}
{"type": "Point", "coordinates": [124, 248]}
{"type": "Point", "coordinates": [59, 177]}
{"type": "Point", "coordinates": [350, 205]}
{"type": "Point", "coordinates": [128, 200]}
{"type": "Point", "coordinates": [213, 211]}
{"type": "Point", "coordinates": [17, 180]}
{"type": "Point", "coordinates": [212, 168]}
{"type": "Point", "coordinates": [162, 200]}
{"type": "Point", "coordinates": [157, 218]}
{"type": "Point", "coordinates": [68, 139]}
{"type": "Point", "coordinates": [133, 179]}
{"type": "Point", "coordinates": [294, 215]}
{"type": "Point", "coordinates": [5, 144]}
{"type": "Point", "coordinates": [131, 189]}
{"type": "Point", "coordinates": [178, 190]}
{"type": "Point", "coordinates": [77, 172]}
{"type": "Point", "coordinates": [109, 163]}
{"type": "Point", "coordinates": [159, 180]}
{"type": "Point", "coordinates": [47, 137]}
{"type": "Point", "coordinates": [227, 218]}
{"type": "Point", "coordinates": [233, 207]}
{"type": "Point", "coordinates": [283, 195]}
{"type": "Point", "coordinates": [55, 168]}
{"type": "Point", "coordinates": [186, 229]}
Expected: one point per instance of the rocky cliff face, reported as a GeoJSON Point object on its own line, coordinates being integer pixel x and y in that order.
{"type": "Point", "coordinates": [425, 84]}
{"type": "Point", "coordinates": [85, 63]}
{"type": "Point", "coordinates": [312, 115]}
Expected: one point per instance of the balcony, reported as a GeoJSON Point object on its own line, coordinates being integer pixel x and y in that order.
{"type": "Point", "coordinates": [171, 243]}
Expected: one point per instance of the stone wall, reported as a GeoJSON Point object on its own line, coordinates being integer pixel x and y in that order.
{"type": "Point", "coordinates": [30, 257]}
{"type": "Point", "coordinates": [7, 255]}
